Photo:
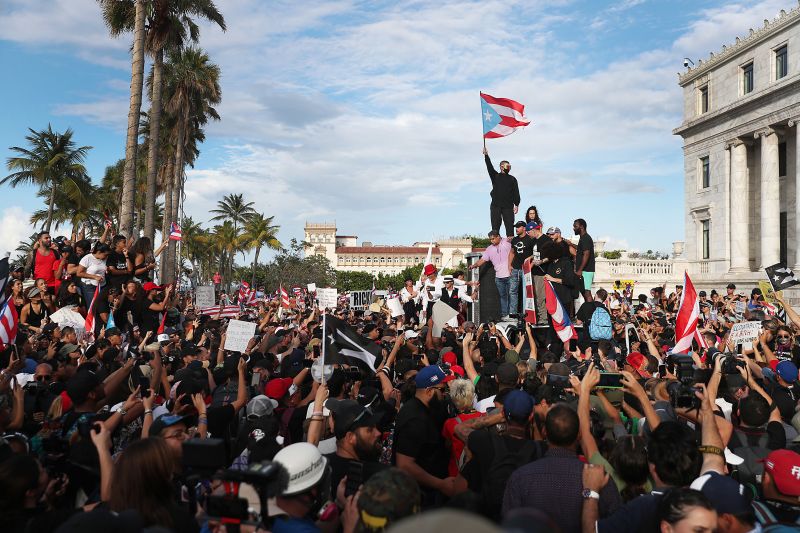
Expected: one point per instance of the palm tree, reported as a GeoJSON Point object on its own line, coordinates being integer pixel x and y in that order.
{"type": "Point", "coordinates": [75, 208]}
{"type": "Point", "coordinates": [53, 163]}
{"type": "Point", "coordinates": [114, 18]}
{"type": "Point", "coordinates": [233, 207]}
{"type": "Point", "coordinates": [227, 243]}
{"type": "Point", "coordinates": [259, 232]}
{"type": "Point", "coordinates": [168, 26]}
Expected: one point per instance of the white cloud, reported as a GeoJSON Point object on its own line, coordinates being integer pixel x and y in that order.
{"type": "Point", "coordinates": [14, 227]}
{"type": "Point", "coordinates": [109, 112]}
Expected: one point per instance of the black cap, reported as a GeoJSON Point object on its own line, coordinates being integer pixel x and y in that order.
{"type": "Point", "coordinates": [188, 349]}
{"type": "Point", "coordinates": [81, 384]}
{"type": "Point", "coordinates": [164, 421]}
{"type": "Point", "coordinates": [507, 374]}
{"type": "Point", "coordinates": [519, 224]}
{"type": "Point", "coordinates": [349, 415]}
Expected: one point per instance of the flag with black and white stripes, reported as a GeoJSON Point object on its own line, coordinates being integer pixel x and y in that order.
{"type": "Point", "coordinates": [344, 345]}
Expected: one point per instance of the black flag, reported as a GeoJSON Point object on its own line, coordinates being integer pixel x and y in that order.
{"type": "Point", "coordinates": [781, 277]}
{"type": "Point", "coordinates": [344, 345]}
{"type": "Point", "coordinates": [4, 272]}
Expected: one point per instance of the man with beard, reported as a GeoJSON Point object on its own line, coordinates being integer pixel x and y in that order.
{"type": "Point", "coordinates": [358, 444]}
{"type": "Point", "coordinates": [584, 257]}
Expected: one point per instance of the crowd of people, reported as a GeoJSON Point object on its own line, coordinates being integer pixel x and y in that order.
{"type": "Point", "coordinates": [148, 421]}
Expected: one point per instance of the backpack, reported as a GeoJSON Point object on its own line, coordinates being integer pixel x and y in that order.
{"type": "Point", "coordinates": [752, 448]}
{"type": "Point", "coordinates": [503, 464]}
{"type": "Point", "coordinates": [600, 325]}
{"type": "Point", "coordinates": [769, 522]}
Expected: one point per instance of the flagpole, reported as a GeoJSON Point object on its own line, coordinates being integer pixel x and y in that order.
{"type": "Point", "coordinates": [322, 351]}
{"type": "Point", "coordinates": [480, 96]}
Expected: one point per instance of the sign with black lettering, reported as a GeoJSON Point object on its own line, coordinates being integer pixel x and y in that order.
{"type": "Point", "coordinates": [360, 300]}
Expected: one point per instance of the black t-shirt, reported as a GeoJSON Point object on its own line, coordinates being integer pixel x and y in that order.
{"type": "Point", "coordinates": [476, 471]}
{"type": "Point", "coordinates": [341, 465]}
{"type": "Point", "coordinates": [585, 244]}
{"type": "Point", "coordinates": [786, 400]}
{"type": "Point", "coordinates": [542, 249]}
{"type": "Point", "coordinates": [418, 434]}
{"type": "Point", "coordinates": [522, 247]}
{"type": "Point", "coordinates": [118, 261]}
{"type": "Point", "coordinates": [219, 418]}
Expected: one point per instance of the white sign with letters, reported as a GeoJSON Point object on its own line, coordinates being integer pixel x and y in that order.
{"type": "Point", "coordinates": [360, 299]}
{"type": "Point", "coordinates": [204, 296]}
{"type": "Point", "coordinates": [744, 332]}
{"type": "Point", "coordinates": [238, 335]}
{"type": "Point", "coordinates": [327, 298]}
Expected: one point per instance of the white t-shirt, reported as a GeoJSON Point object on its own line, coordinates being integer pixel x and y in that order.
{"type": "Point", "coordinates": [93, 266]}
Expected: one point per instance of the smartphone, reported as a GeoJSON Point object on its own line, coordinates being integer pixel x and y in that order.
{"type": "Point", "coordinates": [256, 379]}
{"type": "Point", "coordinates": [315, 350]}
{"type": "Point", "coordinates": [662, 371]}
{"type": "Point", "coordinates": [144, 386]}
{"type": "Point", "coordinates": [609, 380]}
{"type": "Point", "coordinates": [573, 345]}
{"type": "Point", "coordinates": [355, 476]}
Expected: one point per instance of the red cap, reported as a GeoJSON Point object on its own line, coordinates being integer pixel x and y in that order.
{"type": "Point", "coordinates": [429, 270]}
{"type": "Point", "coordinates": [784, 467]}
{"type": "Point", "coordinates": [450, 358]}
{"type": "Point", "coordinates": [277, 388]}
{"type": "Point", "coordinates": [457, 370]}
{"type": "Point", "coordinates": [150, 286]}
{"type": "Point", "coordinates": [635, 359]}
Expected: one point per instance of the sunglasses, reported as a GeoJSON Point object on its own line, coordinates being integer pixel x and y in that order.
{"type": "Point", "coordinates": [43, 377]}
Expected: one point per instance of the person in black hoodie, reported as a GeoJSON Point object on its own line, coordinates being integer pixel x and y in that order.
{"type": "Point", "coordinates": [505, 195]}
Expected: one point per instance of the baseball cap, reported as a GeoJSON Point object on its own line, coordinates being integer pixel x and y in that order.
{"type": "Point", "coordinates": [67, 349]}
{"type": "Point", "coordinates": [520, 224]}
{"type": "Point", "coordinates": [260, 406]}
{"type": "Point", "coordinates": [367, 395]}
{"type": "Point", "coordinates": [150, 286]}
{"type": "Point", "coordinates": [553, 230]}
{"type": "Point", "coordinates": [429, 376]}
{"type": "Point", "coordinates": [378, 502]}
{"type": "Point", "coordinates": [783, 465]}
{"type": "Point", "coordinates": [49, 327]}
{"type": "Point", "coordinates": [787, 370]}
{"type": "Point", "coordinates": [517, 405]}
{"type": "Point", "coordinates": [164, 421]}
{"type": "Point", "coordinates": [349, 415]}
{"type": "Point", "coordinates": [727, 495]}
{"type": "Point", "coordinates": [449, 357]}
{"type": "Point", "coordinates": [635, 359]}
{"type": "Point", "coordinates": [278, 387]}
{"type": "Point", "coordinates": [81, 384]}
{"type": "Point", "coordinates": [533, 225]}
{"type": "Point", "coordinates": [507, 374]}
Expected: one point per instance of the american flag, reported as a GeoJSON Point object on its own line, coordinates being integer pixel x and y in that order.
{"type": "Point", "coordinates": [174, 232]}
{"type": "Point", "coordinates": [227, 311]}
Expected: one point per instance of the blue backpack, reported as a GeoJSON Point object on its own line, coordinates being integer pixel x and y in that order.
{"type": "Point", "coordinates": [600, 325]}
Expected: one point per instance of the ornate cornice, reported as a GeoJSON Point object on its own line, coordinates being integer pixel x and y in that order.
{"type": "Point", "coordinates": [755, 36]}
{"type": "Point", "coordinates": [763, 132]}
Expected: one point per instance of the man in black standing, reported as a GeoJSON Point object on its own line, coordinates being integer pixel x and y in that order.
{"type": "Point", "coordinates": [521, 249]}
{"type": "Point", "coordinates": [584, 257]}
{"type": "Point", "coordinates": [505, 195]}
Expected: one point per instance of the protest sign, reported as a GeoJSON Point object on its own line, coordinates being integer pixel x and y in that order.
{"type": "Point", "coordinates": [442, 313]}
{"type": "Point", "coordinates": [312, 287]}
{"type": "Point", "coordinates": [741, 306]}
{"type": "Point", "coordinates": [327, 298]}
{"type": "Point", "coordinates": [395, 307]}
{"type": "Point", "coordinates": [238, 335]}
{"type": "Point", "coordinates": [204, 296]}
{"type": "Point", "coordinates": [744, 332]}
{"type": "Point", "coordinates": [767, 291]}
{"type": "Point", "coordinates": [360, 299]}
{"type": "Point", "coordinates": [622, 284]}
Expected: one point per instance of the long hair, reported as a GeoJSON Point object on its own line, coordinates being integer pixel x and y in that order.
{"type": "Point", "coordinates": [141, 246]}
{"type": "Point", "coordinates": [142, 481]}
{"type": "Point", "coordinates": [629, 459]}
{"type": "Point", "coordinates": [537, 218]}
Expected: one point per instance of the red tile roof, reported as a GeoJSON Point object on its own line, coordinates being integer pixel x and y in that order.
{"type": "Point", "coordinates": [385, 250]}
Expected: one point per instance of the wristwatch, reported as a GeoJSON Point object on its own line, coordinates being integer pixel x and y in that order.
{"type": "Point", "coordinates": [589, 493]}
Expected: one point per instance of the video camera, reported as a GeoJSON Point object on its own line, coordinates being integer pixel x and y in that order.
{"type": "Point", "coordinates": [682, 393]}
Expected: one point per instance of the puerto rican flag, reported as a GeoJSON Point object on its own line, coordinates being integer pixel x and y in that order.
{"type": "Point", "coordinates": [501, 116]}
{"type": "Point", "coordinates": [89, 322]}
{"type": "Point", "coordinates": [174, 232]}
{"type": "Point", "coordinates": [244, 288]}
{"type": "Point", "coordinates": [284, 298]}
{"type": "Point", "coordinates": [686, 322]}
{"type": "Point", "coordinates": [561, 322]}
{"type": "Point", "coordinates": [9, 322]}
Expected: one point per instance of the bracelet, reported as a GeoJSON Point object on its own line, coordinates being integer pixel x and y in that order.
{"type": "Point", "coordinates": [711, 449]}
{"type": "Point", "coordinates": [316, 418]}
{"type": "Point", "coordinates": [123, 411]}
{"type": "Point", "coordinates": [202, 420]}
{"type": "Point", "coordinates": [317, 413]}
{"type": "Point", "coordinates": [148, 412]}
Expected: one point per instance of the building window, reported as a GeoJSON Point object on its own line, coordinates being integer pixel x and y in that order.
{"type": "Point", "coordinates": [782, 159]}
{"type": "Point", "coordinates": [781, 62]}
{"type": "Point", "coordinates": [702, 103]}
{"type": "Point", "coordinates": [747, 78]}
{"type": "Point", "coordinates": [705, 172]}
{"type": "Point", "coordinates": [706, 239]}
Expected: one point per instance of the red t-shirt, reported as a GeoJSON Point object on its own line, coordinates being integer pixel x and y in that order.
{"type": "Point", "coordinates": [46, 267]}
{"type": "Point", "coordinates": [457, 447]}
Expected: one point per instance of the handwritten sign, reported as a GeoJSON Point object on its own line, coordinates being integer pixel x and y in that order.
{"type": "Point", "coordinates": [767, 291]}
{"type": "Point", "coordinates": [741, 306]}
{"type": "Point", "coordinates": [327, 298]}
{"type": "Point", "coordinates": [360, 299]}
{"type": "Point", "coordinates": [239, 334]}
{"type": "Point", "coordinates": [312, 287]}
{"type": "Point", "coordinates": [395, 307]}
{"type": "Point", "coordinates": [204, 296]}
{"type": "Point", "coordinates": [743, 332]}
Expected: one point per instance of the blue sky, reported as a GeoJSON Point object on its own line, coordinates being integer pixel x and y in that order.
{"type": "Point", "coordinates": [367, 113]}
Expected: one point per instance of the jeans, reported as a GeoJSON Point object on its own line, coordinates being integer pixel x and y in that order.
{"type": "Point", "coordinates": [507, 214]}
{"type": "Point", "coordinates": [88, 293]}
{"type": "Point", "coordinates": [502, 288]}
{"type": "Point", "coordinates": [517, 287]}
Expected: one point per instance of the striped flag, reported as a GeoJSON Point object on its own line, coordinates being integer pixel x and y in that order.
{"type": "Point", "coordinates": [174, 232]}
{"type": "Point", "coordinates": [226, 311]}
{"type": "Point", "coordinates": [89, 323]}
{"type": "Point", "coordinates": [686, 322]}
{"type": "Point", "coordinates": [558, 313]}
{"type": "Point", "coordinates": [343, 344]}
{"type": "Point", "coordinates": [9, 322]}
{"type": "Point", "coordinates": [702, 343]}
{"type": "Point", "coordinates": [284, 297]}
{"type": "Point", "coordinates": [501, 116]}
{"type": "Point", "coordinates": [530, 293]}
{"type": "Point", "coordinates": [244, 287]}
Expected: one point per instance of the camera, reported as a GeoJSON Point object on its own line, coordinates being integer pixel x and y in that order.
{"type": "Point", "coordinates": [682, 393]}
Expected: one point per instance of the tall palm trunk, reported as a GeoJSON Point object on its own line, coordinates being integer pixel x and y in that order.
{"type": "Point", "coordinates": [177, 180]}
{"type": "Point", "coordinates": [137, 76]}
{"type": "Point", "coordinates": [168, 180]}
{"type": "Point", "coordinates": [50, 206]}
{"type": "Point", "coordinates": [152, 156]}
{"type": "Point", "coordinates": [255, 264]}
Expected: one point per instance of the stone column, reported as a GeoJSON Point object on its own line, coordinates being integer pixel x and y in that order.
{"type": "Point", "coordinates": [795, 123]}
{"type": "Point", "coordinates": [770, 198]}
{"type": "Point", "coordinates": [739, 208]}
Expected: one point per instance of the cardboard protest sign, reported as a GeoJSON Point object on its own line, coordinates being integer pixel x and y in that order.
{"type": "Point", "coordinates": [239, 334]}
{"type": "Point", "coordinates": [767, 291]}
{"type": "Point", "coordinates": [395, 307]}
{"type": "Point", "coordinates": [360, 299]}
{"type": "Point", "coordinates": [204, 296]}
{"type": "Point", "coordinates": [744, 332]}
{"type": "Point", "coordinates": [327, 298]}
{"type": "Point", "coordinates": [741, 307]}
{"type": "Point", "coordinates": [442, 313]}
{"type": "Point", "coordinates": [312, 287]}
